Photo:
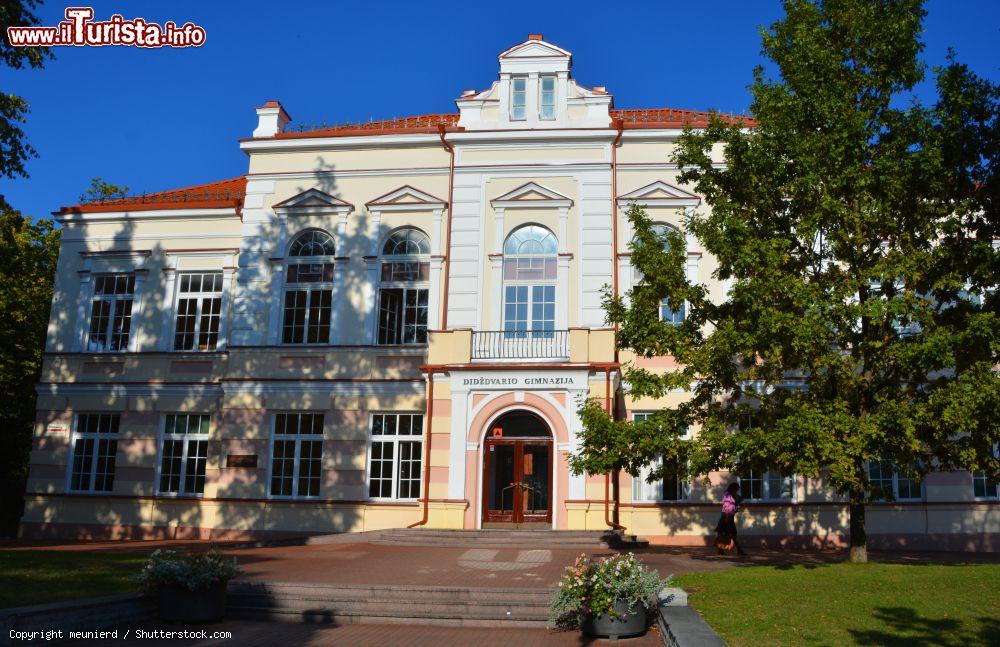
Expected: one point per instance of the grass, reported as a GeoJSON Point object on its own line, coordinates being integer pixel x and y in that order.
{"type": "Point", "coordinates": [39, 576]}
{"type": "Point", "coordinates": [851, 604]}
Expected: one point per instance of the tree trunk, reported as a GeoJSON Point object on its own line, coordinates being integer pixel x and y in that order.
{"type": "Point", "coordinates": [859, 536]}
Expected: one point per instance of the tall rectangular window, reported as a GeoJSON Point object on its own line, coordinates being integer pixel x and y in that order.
{"type": "Point", "coordinates": [308, 303]}
{"type": "Point", "coordinates": [95, 445]}
{"type": "Point", "coordinates": [547, 104]}
{"type": "Point", "coordinates": [199, 311]}
{"type": "Point", "coordinates": [296, 454]}
{"type": "Point", "coordinates": [984, 487]}
{"type": "Point", "coordinates": [518, 98]}
{"type": "Point", "coordinates": [184, 453]}
{"type": "Point", "coordinates": [111, 312]}
{"type": "Point", "coordinates": [394, 461]}
{"type": "Point", "coordinates": [670, 488]}
{"type": "Point", "coordinates": [402, 303]}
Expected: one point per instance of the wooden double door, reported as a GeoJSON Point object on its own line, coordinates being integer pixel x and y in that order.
{"type": "Point", "coordinates": [517, 481]}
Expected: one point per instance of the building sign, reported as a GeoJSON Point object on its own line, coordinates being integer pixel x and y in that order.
{"type": "Point", "coordinates": [57, 428]}
{"type": "Point", "coordinates": [241, 460]}
{"type": "Point", "coordinates": [524, 382]}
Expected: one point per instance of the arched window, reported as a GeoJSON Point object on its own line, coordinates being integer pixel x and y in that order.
{"type": "Point", "coordinates": [529, 277]}
{"type": "Point", "coordinates": [672, 315]}
{"type": "Point", "coordinates": [308, 298]}
{"type": "Point", "coordinates": [404, 287]}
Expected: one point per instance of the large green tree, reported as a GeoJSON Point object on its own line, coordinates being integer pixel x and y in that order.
{"type": "Point", "coordinates": [28, 253]}
{"type": "Point", "coordinates": [855, 233]}
{"type": "Point", "coordinates": [14, 150]}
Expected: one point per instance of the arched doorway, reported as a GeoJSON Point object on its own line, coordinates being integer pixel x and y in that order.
{"type": "Point", "coordinates": [517, 471]}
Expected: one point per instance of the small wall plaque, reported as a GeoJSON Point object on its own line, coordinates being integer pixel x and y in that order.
{"type": "Point", "coordinates": [241, 460]}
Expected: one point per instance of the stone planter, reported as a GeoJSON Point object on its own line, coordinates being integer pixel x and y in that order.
{"type": "Point", "coordinates": [182, 605]}
{"type": "Point", "coordinates": [632, 624]}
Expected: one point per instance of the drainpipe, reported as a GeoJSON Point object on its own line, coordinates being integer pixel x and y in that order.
{"type": "Point", "coordinates": [607, 477]}
{"type": "Point", "coordinates": [620, 126]}
{"type": "Point", "coordinates": [447, 236]}
{"type": "Point", "coordinates": [427, 451]}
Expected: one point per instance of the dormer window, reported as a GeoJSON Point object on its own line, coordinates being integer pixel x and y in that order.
{"type": "Point", "coordinates": [547, 107]}
{"type": "Point", "coordinates": [518, 98]}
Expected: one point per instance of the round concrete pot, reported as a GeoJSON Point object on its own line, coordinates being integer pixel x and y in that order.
{"type": "Point", "coordinates": [625, 622]}
{"type": "Point", "coordinates": [180, 604]}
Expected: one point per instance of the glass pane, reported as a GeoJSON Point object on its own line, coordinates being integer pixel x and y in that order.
{"type": "Point", "coordinates": [501, 469]}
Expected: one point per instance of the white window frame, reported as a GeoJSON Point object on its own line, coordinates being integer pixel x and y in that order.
{"type": "Point", "coordinates": [395, 440]}
{"type": "Point", "coordinates": [982, 476]}
{"type": "Point", "coordinates": [530, 284]}
{"type": "Point", "coordinates": [185, 440]}
{"type": "Point", "coordinates": [76, 436]}
{"type": "Point", "coordinates": [541, 96]}
{"type": "Point", "coordinates": [310, 288]}
{"type": "Point", "coordinates": [514, 106]}
{"type": "Point", "coordinates": [637, 277]}
{"type": "Point", "coordinates": [114, 300]}
{"type": "Point", "coordinates": [765, 479]}
{"type": "Point", "coordinates": [895, 482]}
{"type": "Point", "coordinates": [684, 487]}
{"type": "Point", "coordinates": [417, 286]}
{"type": "Point", "coordinates": [199, 298]}
{"type": "Point", "coordinates": [297, 457]}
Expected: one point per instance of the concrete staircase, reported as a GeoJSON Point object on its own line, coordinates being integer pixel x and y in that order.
{"type": "Point", "coordinates": [388, 604]}
{"type": "Point", "coordinates": [539, 539]}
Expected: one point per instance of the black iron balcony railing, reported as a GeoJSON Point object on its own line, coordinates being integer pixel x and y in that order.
{"type": "Point", "coordinates": [520, 344]}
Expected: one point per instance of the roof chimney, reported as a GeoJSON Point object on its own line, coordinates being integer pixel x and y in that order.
{"type": "Point", "coordinates": [468, 93]}
{"type": "Point", "coordinates": [535, 37]}
{"type": "Point", "coordinates": [271, 119]}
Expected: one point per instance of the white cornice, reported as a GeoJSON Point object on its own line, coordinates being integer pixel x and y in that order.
{"type": "Point", "coordinates": [151, 214]}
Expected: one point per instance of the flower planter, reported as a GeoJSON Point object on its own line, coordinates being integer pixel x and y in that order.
{"type": "Point", "coordinates": [180, 604]}
{"type": "Point", "coordinates": [625, 622]}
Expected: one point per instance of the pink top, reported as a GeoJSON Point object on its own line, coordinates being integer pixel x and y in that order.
{"type": "Point", "coordinates": [728, 504]}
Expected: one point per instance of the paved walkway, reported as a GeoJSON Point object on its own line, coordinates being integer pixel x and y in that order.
{"type": "Point", "coordinates": [261, 634]}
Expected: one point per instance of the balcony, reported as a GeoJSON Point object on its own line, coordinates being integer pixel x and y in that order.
{"type": "Point", "coordinates": [572, 346]}
{"type": "Point", "coordinates": [520, 344]}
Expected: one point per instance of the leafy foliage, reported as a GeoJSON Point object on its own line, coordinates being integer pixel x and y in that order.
{"type": "Point", "coordinates": [14, 151]}
{"type": "Point", "coordinates": [100, 190]}
{"type": "Point", "coordinates": [193, 571]}
{"type": "Point", "coordinates": [28, 253]}
{"type": "Point", "coordinates": [591, 587]}
{"type": "Point", "coordinates": [858, 318]}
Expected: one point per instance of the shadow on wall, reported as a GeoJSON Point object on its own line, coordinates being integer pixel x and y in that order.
{"type": "Point", "coordinates": [345, 437]}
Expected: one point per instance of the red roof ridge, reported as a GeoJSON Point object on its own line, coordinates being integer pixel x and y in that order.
{"type": "Point", "coordinates": [631, 117]}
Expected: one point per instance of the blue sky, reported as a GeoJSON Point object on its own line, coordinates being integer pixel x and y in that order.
{"type": "Point", "coordinates": [161, 119]}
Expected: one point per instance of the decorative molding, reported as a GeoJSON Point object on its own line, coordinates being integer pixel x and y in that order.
{"type": "Point", "coordinates": [406, 198]}
{"type": "Point", "coordinates": [529, 195]}
{"type": "Point", "coordinates": [660, 194]}
{"type": "Point", "coordinates": [313, 202]}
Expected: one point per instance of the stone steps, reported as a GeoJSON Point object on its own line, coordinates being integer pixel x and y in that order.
{"type": "Point", "coordinates": [445, 606]}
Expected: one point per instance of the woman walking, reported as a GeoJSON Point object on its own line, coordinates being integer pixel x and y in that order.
{"type": "Point", "coordinates": [725, 539]}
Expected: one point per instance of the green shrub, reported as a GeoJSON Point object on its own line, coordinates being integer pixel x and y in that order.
{"type": "Point", "coordinates": [193, 571]}
{"type": "Point", "coordinates": [590, 587]}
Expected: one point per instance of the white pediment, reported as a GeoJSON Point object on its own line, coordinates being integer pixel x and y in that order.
{"type": "Point", "coordinates": [531, 194]}
{"type": "Point", "coordinates": [661, 194]}
{"type": "Point", "coordinates": [405, 198]}
{"type": "Point", "coordinates": [313, 201]}
{"type": "Point", "coordinates": [534, 49]}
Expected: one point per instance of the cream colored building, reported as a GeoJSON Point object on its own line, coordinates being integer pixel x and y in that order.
{"type": "Point", "coordinates": [391, 320]}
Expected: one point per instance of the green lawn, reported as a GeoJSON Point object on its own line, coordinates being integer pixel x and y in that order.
{"type": "Point", "coordinates": [37, 576]}
{"type": "Point", "coordinates": [847, 604]}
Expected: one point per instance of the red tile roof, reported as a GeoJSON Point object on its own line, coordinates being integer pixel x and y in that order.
{"type": "Point", "coordinates": [672, 118]}
{"type": "Point", "coordinates": [417, 124]}
{"type": "Point", "coordinates": [226, 193]}
{"type": "Point", "coordinates": [640, 118]}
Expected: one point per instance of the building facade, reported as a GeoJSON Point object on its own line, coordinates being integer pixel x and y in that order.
{"type": "Point", "coordinates": [393, 323]}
